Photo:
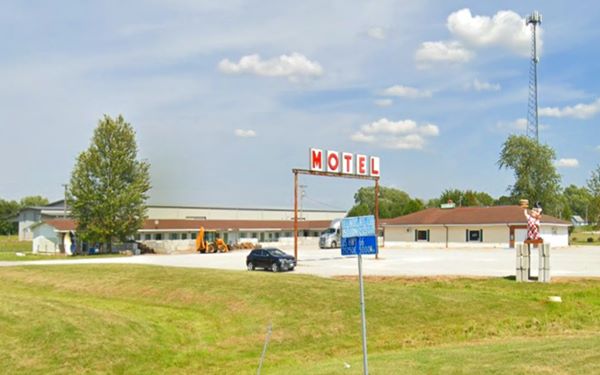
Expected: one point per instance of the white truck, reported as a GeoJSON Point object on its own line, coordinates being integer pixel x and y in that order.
{"type": "Point", "coordinates": [332, 236]}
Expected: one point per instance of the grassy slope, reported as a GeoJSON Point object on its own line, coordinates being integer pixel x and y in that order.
{"type": "Point", "coordinates": [135, 319]}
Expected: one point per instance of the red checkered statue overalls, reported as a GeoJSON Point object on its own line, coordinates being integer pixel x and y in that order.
{"type": "Point", "coordinates": [533, 227]}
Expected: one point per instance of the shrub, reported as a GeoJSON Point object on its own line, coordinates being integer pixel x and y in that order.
{"type": "Point", "coordinates": [574, 238]}
{"type": "Point", "coordinates": [590, 239]}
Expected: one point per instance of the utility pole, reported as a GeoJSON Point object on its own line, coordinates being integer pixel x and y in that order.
{"type": "Point", "coordinates": [65, 201]}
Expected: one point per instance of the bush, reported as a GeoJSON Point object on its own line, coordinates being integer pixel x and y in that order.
{"type": "Point", "coordinates": [590, 239]}
{"type": "Point", "coordinates": [574, 238]}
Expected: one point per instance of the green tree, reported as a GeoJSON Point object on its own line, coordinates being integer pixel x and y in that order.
{"type": "Point", "coordinates": [466, 198]}
{"type": "Point", "coordinates": [453, 195]}
{"type": "Point", "coordinates": [433, 203]}
{"type": "Point", "coordinates": [392, 203]}
{"type": "Point", "coordinates": [593, 185]}
{"type": "Point", "coordinates": [33, 201]}
{"type": "Point", "coordinates": [8, 211]}
{"type": "Point", "coordinates": [109, 186]}
{"type": "Point", "coordinates": [536, 178]}
{"type": "Point", "coordinates": [578, 199]}
{"type": "Point", "coordinates": [505, 201]}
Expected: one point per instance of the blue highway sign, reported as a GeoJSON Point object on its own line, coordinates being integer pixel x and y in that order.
{"type": "Point", "coordinates": [359, 245]}
{"type": "Point", "coordinates": [358, 226]}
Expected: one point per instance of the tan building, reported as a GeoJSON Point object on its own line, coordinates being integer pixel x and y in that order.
{"type": "Point", "coordinates": [173, 235]}
{"type": "Point", "coordinates": [31, 216]}
{"type": "Point", "coordinates": [497, 226]}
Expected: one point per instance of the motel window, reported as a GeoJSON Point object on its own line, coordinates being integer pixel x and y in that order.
{"type": "Point", "coordinates": [243, 234]}
{"type": "Point", "coordinates": [158, 236]}
{"type": "Point", "coordinates": [147, 236]}
{"type": "Point", "coordinates": [174, 236]}
{"type": "Point", "coordinates": [193, 235]}
{"type": "Point", "coordinates": [422, 235]}
{"type": "Point", "coordinates": [277, 236]}
{"type": "Point", "coordinates": [287, 234]}
{"type": "Point", "coordinates": [474, 235]}
{"type": "Point", "coordinates": [138, 237]}
{"type": "Point", "coordinates": [184, 236]}
{"type": "Point", "coordinates": [254, 235]}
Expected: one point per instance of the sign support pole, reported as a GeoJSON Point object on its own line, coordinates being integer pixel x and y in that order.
{"type": "Point", "coordinates": [377, 216]}
{"type": "Point", "coordinates": [362, 316]}
{"type": "Point", "coordinates": [296, 215]}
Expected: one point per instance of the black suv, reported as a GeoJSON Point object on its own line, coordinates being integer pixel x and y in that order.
{"type": "Point", "coordinates": [273, 259]}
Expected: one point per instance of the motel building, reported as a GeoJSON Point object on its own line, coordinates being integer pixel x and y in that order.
{"type": "Point", "coordinates": [496, 226]}
{"type": "Point", "coordinates": [171, 229]}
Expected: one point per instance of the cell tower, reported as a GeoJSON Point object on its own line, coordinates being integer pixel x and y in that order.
{"type": "Point", "coordinates": [532, 110]}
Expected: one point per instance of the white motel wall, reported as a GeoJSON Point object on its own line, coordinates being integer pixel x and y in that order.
{"type": "Point", "coordinates": [456, 235]}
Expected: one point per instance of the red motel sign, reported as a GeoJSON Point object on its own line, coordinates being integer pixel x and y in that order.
{"type": "Point", "coordinates": [343, 162]}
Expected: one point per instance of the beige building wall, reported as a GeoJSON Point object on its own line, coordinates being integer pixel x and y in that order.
{"type": "Point", "coordinates": [159, 212]}
{"type": "Point", "coordinates": [493, 235]}
{"type": "Point", "coordinates": [496, 234]}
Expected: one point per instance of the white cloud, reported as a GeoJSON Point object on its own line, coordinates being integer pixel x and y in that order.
{"type": "Point", "coordinates": [376, 33]}
{"type": "Point", "coordinates": [506, 28]}
{"type": "Point", "coordinates": [245, 133]}
{"type": "Point", "coordinates": [292, 66]}
{"type": "Point", "coordinates": [478, 85]}
{"type": "Point", "coordinates": [406, 92]}
{"type": "Point", "coordinates": [519, 124]}
{"type": "Point", "coordinates": [567, 163]}
{"type": "Point", "coordinates": [402, 135]}
{"type": "Point", "coordinates": [578, 111]}
{"type": "Point", "coordinates": [384, 102]}
{"type": "Point", "coordinates": [439, 52]}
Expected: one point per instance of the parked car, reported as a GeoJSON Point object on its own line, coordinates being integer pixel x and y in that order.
{"type": "Point", "coordinates": [270, 258]}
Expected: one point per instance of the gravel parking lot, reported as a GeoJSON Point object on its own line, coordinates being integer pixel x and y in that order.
{"type": "Point", "coordinates": [572, 262]}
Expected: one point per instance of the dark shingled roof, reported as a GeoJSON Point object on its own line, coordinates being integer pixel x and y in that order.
{"type": "Point", "coordinates": [469, 215]}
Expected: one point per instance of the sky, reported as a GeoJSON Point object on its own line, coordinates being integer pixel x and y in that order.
{"type": "Point", "coordinates": [226, 97]}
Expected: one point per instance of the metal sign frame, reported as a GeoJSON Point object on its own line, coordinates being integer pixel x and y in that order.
{"type": "Point", "coordinates": [297, 171]}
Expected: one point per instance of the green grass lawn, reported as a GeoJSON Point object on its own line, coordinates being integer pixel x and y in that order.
{"type": "Point", "coordinates": [10, 246]}
{"type": "Point", "coordinates": [156, 320]}
{"type": "Point", "coordinates": [581, 236]}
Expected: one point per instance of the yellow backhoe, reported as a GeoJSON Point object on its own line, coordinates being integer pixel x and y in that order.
{"type": "Point", "coordinates": [213, 245]}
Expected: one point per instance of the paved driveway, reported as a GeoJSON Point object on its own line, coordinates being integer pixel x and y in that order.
{"type": "Point", "coordinates": [574, 261]}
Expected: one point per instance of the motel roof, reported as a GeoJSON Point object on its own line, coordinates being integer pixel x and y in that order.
{"type": "Point", "coordinates": [469, 216]}
{"type": "Point", "coordinates": [168, 225]}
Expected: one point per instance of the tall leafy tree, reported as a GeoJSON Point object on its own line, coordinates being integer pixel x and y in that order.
{"type": "Point", "coordinates": [593, 185]}
{"type": "Point", "coordinates": [392, 203]}
{"type": "Point", "coordinates": [536, 178]}
{"type": "Point", "coordinates": [505, 200]}
{"type": "Point", "coordinates": [109, 185]}
{"type": "Point", "coordinates": [8, 211]}
{"type": "Point", "coordinates": [433, 203]}
{"type": "Point", "coordinates": [578, 199]}
{"type": "Point", "coordinates": [466, 198]}
{"type": "Point", "coordinates": [33, 201]}
{"type": "Point", "coordinates": [453, 195]}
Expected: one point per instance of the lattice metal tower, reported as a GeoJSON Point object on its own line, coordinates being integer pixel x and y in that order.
{"type": "Point", "coordinates": [532, 109]}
